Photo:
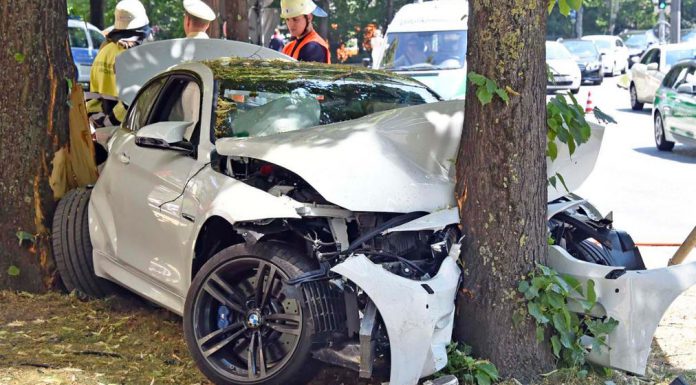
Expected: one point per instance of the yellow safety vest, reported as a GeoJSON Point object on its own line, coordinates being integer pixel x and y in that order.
{"type": "Point", "coordinates": [102, 80]}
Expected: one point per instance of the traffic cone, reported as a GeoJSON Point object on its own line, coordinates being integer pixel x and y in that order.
{"type": "Point", "coordinates": [589, 107]}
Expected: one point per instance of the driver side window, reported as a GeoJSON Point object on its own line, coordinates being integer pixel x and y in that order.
{"type": "Point", "coordinates": [180, 102]}
{"type": "Point", "coordinates": [140, 110]}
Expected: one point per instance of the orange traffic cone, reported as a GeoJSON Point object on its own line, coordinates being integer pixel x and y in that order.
{"type": "Point", "coordinates": [589, 107]}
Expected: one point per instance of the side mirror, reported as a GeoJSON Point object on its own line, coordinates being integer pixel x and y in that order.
{"type": "Point", "coordinates": [165, 136]}
{"type": "Point", "coordinates": [653, 67]}
{"type": "Point", "coordinates": [689, 89]}
{"type": "Point", "coordinates": [635, 59]}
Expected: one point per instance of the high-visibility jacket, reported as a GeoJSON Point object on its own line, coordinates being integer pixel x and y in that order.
{"type": "Point", "coordinates": [103, 104]}
{"type": "Point", "coordinates": [294, 47]}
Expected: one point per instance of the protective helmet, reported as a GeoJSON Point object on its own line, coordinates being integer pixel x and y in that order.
{"type": "Point", "coordinates": [130, 14]}
{"type": "Point", "coordinates": [294, 8]}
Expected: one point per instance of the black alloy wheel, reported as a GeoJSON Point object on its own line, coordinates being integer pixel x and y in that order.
{"type": "Point", "coordinates": [242, 324]}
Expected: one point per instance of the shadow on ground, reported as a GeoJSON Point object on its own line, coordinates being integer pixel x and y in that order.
{"type": "Point", "coordinates": [680, 153]}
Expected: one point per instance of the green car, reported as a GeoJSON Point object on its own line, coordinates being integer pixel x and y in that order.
{"type": "Point", "coordinates": [674, 111]}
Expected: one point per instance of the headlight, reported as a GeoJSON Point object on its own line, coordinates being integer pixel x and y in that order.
{"type": "Point", "coordinates": [592, 66]}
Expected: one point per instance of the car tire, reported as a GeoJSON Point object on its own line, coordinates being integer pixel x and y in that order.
{"type": "Point", "coordinates": [72, 247]}
{"type": "Point", "coordinates": [635, 104]}
{"type": "Point", "coordinates": [589, 251]}
{"type": "Point", "coordinates": [575, 91]}
{"type": "Point", "coordinates": [224, 296]}
{"type": "Point", "coordinates": [598, 82]}
{"type": "Point", "coordinates": [661, 143]}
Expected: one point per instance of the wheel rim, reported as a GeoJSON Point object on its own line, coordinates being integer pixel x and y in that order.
{"type": "Point", "coordinates": [245, 325]}
{"type": "Point", "coordinates": [658, 129]}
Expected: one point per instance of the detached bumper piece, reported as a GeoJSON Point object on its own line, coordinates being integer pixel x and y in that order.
{"type": "Point", "coordinates": [637, 299]}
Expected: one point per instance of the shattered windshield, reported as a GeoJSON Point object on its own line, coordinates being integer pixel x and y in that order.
{"type": "Point", "coordinates": [264, 97]}
{"type": "Point", "coordinates": [422, 51]}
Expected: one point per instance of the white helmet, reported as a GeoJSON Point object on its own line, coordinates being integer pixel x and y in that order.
{"type": "Point", "coordinates": [294, 8]}
{"type": "Point", "coordinates": [130, 14]}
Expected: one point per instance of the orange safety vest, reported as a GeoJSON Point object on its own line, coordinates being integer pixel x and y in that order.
{"type": "Point", "coordinates": [293, 49]}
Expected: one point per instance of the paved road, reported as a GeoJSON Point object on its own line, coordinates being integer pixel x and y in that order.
{"type": "Point", "coordinates": [652, 193]}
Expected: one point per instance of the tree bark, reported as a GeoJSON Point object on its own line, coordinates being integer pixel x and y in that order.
{"type": "Point", "coordinates": [96, 13]}
{"type": "Point", "coordinates": [237, 17]}
{"type": "Point", "coordinates": [501, 185]}
{"type": "Point", "coordinates": [36, 62]}
{"type": "Point", "coordinates": [218, 6]}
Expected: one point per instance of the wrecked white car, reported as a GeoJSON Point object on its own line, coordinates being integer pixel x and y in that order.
{"type": "Point", "coordinates": [294, 212]}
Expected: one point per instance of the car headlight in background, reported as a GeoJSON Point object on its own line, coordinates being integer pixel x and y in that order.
{"type": "Point", "coordinates": [591, 66]}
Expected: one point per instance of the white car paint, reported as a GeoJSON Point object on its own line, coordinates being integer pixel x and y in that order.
{"type": "Point", "coordinates": [566, 73]}
{"type": "Point", "coordinates": [647, 74]}
{"type": "Point", "coordinates": [637, 299]}
{"type": "Point", "coordinates": [615, 59]}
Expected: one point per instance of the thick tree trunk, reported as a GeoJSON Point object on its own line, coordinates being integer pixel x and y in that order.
{"type": "Point", "coordinates": [237, 17]}
{"type": "Point", "coordinates": [215, 30]}
{"type": "Point", "coordinates": [96, 13]}
{"type": "Point", "coordinates": [36, 62]}
{"type": "Point", "coordinates": [501, 184]}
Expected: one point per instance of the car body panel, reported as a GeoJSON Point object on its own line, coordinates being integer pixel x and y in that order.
{"type": "Point", "coordinates": [85, 40]}
{"type": "Point", "coordinates": [678, 110]}
{"type": "Point", "coordinates": [418, 342]}
{"type": "Point", "coordinates": [587, 58]}
{"type": "Point", "coordinates": [647, 80]}
{"type": "Point", "coordinates": [565, 71]}
{"type": "Point", "coordinates": [637, 299]}
{"type": "Point", "coordinates": [615, 55]}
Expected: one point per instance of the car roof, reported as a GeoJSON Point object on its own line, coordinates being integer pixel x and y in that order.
{"type": "Point", "coordinates": [600, 37]}
{"type": "Point", "coordinates": [74, 23]}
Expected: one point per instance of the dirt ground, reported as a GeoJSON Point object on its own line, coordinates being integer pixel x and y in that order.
{"type": "Point", "coordinates": [58, 339]}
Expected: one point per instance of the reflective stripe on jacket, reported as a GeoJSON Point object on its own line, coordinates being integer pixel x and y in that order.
{"type": "Point", "coordinates": [294, 47]}
{"type": "Point", "coordinates": [103, 106]}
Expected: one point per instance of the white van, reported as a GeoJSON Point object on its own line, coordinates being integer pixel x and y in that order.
{"type": "Point", "coordinates": [427, 41]}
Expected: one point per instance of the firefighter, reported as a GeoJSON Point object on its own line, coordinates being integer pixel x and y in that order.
{"type": "Point", "coordinates": [130, 30]}
{"type": "Point", "coordinates": [305, 43]}
{"type": "Point", "coordinates": [197, 18]}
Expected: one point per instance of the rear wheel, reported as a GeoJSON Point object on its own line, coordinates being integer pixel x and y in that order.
{"type": "Point", "coordinates": [661, 143]}
{"type": "Point", "coordinates": [72, 247]}
{"type": "Point", "coordinates": [243, 324]}
{"type": "Point", "coordinates": [635, 104]}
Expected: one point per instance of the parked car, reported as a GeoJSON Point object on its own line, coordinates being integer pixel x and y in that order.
{"type": "Point", "coordinates": [638, 42]}
{"type": "Point", "coordinates": [427, 41]}
{"type": "Point", "coordinates": [300, 212]}
{"type": "Point", "coordinates": [85, 40]}
{"type": "Point", "coordinates": [674, 110]}
{"type": "Point", "coordinates": [566, 74]}
{"type": "Point", "coordinates": [588, 59]}
{"type": "Point", "coordinates": [614, 51]}
{"type": "Point", "coordinates": [648, 73]}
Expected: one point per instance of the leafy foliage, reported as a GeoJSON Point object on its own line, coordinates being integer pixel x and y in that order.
{"type": "Point", "coordinates": [548, 295]}
{"type": "Point", "coordinates": [467, 369]}
{"type": "Point", "coordinates": [486, 88]}
{"type": "Point", "coordinates": [564, 6]}
{"type": "Point", "coordinates": [13, 271]}
{"type": "Point", "coordinates": [565, 122]}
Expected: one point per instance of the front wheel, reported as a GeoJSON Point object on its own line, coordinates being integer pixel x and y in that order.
{"type": "Point", "coordinates": [661, 143]}
{"type": "Point", "coordinates": [243, 324]}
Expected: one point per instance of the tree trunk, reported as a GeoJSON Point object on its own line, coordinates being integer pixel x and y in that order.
{"type": "Point", "coordinates": [236, 15]}
{"type": "Point", "coordinates": [96, 13]}
{"type": "Point", "coordinates": [390, 15]}
{"type": "Point", "coordinates": [323, 22]}
{"type": "Point", "coordinates": [501, 185]}
{"type": "Point", "coordinates": [613, 12]}
{"type": "Point", "coordinates": [36, 62]}
{"type": "Point", "coordinates": [578, 23]}
{"type": "Point", "coordinates": [218, 6]}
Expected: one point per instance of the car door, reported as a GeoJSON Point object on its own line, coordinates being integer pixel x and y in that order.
{"type": "Point", "coordinates": [685, 106]}
{"type": "Point", "coordinates": [639, 73]}
{"type": "Point", "coordinates": [653, 77]}
{"type": "Point", "coordinates": [621, 54]}
{"type": "Point", "coordinates": [666, 97]}
{"type": "Point", "coordinates": [148, 185]}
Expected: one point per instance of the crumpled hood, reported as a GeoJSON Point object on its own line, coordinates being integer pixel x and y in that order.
{"type": "Point", "coordinates": [395, 161]}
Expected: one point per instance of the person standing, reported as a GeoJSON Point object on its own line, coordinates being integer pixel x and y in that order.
{"type": "Point", "coordinates": [197, 18]}
{"type": "Point", "coordinates": [131, 28]}
{"type": "Point", "coordinates": [277, 41]}
{"type": "Point", "coordinates": [305, 43]}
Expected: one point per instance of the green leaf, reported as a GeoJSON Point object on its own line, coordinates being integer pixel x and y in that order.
{"type": "Point", "coordinates": [523, 286]}
{"type": "Point", "coordinates": [502, 94]}
{"type": "Point", "coordinates": [551, 4]}
{"type": "Point", "coordinates": [556, 345]}
{"type": "Point", "coordinates": [582, 373]}
{"type": "Point", "coordinates": [563, 7]}
{"type": "Point", "coordinates": [560, 177]}
{"type": "Point", "coordinates": [70, 84]}
{"type": "Point", "coordinates": [552, 151]}
{"type": "Point", "coordinates": [591, 294]}
{"type": "Point", "coordinates": [483, 95]}
{"type": "Point", "coordinates": [13, 271]}
{"type": "Point", "coordinates": [25, 236]}
{"type": "Point", "coordinates": [573, 283]}
{"type": "Point", "coordinates": [536, 312]}
{"type": "Point", "coordinates": [539, 333]}
{"type": "Point", "coordinates": [603, 117]}
{"type": "Point", "coordinates": [19, 57]}
{"type": "Point", "coordinates": [477, 79]}
{"type": "Point", "coordinates": [489, 369]}
{"type": "Point", "coordinates": [556, 300]}
{"type": "Point", "coordinates": [559, 323]}
{"type": "Point", "coordinates": [482, 379]}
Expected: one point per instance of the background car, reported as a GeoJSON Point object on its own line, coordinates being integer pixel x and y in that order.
{"type": "Point", "coordinates": [648, 73]}
{"type": "Point", "coordinates": [689, 36]}
{"type": "Point", "coordinates": [566, 74]}
{"type": "Point", "coordinates": [614, 51]}
{"type": "Point", "coordinates": [674, 111]}
{"type": "Point", "coordinates": [638, 42]}
{"type": "Point", "coordinates": [588, 59]}
{"type": "Point", "coordinates": [85, 40]}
